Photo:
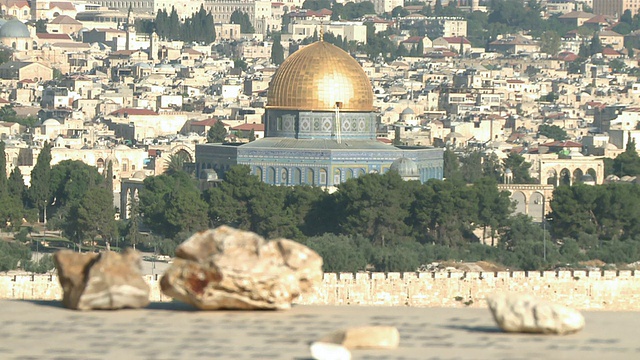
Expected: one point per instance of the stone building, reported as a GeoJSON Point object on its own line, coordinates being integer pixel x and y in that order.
{"type": "Point", "coordinates": [320, 127]}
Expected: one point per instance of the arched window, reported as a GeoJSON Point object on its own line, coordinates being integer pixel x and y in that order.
{"type": "Point", "coordinates": [323, 177]}
{"type": "Point", "coordinates": [297, 176]}
{"type": "Point", "coordinates": [258, 172]}
{"type": "Point", "coordinates": [284, 177]}
{"type": "Point", "coordinates": [271, 176]}
{"type": "Point", "coordinates": [310, 177]}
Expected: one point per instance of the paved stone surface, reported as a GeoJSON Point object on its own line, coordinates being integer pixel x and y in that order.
{"type": "Point", "coordinates": [45, 330]}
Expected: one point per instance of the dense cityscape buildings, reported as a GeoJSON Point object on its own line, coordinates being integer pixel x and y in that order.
{"type": "Point", "coordinates": [538, 94]}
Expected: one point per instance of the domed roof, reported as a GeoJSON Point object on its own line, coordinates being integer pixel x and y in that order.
{"type": "Point", "coordinates": [405, 167]}
{"type": "Point", "coordinates": [122, 147]}
{"type": "Point", "coordinates": [51, 122]}
{"type": "Point", "coordinates": [316, 78]}
{"type": "Point", "coordinates": [14, 29]}
{"type": "Point", "coordinates": [408, 111]}
{"type": "Point", "coordinates": [139, 175]}
{"type": "Point", "coordinates": [2, 21]}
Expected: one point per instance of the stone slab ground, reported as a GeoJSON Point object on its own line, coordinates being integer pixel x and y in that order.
{"type": "Point", "coordinates": [45, 330]}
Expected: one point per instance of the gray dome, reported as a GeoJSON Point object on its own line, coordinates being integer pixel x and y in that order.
{"type": "Point", "coordinates": [587, 178]}
{"type": "Point", "coordinates": [14, 29]}
{"type": "Point", "coordinates": [408, 111]}
{"type": "Point", "coordinates": [209, 175]}
{"type": "Point", "coordinates": [405, 167]}
{"type": "Point", "coordinates": [2, 22]}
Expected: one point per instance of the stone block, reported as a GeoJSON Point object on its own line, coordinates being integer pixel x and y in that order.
{"type": "Point", "coordinates": [425, 275]}
{"type": "Point", "coordinates": [409, 276]}
{"type": "Point", "coordinates": [594, 274]}
{"type": "Point", "coordinates": [517, 274]}
{"type": "Point", "coordinates": [503, 274]}
{"type": "Point", "coordinates": [362, 276]}
{"type": "Point", "coordinates": [487, 275]}
{"type": "Point", "coordinates": [564, 274]}
{"type": "Point", "coordinates": [609, 274]}
{"type": "Point", "coordinates": [394, 275]}
{"type": "Point", "coordinates": [624, 274]}
{"type": "Point", "coordinates": [456, 274]}
{"type": "Point", "coordinates": [346, 276]}
{"type": "Point", "coordinates": [378, 276]}
{"type": "Point", "coordinates": [330, 277]}
{"type": "Point", "coordinates": [579, 274]}
{"type": "Point", "coordinates": [534, 274]}
{"type": "Point", "coordinates": [472, 275]}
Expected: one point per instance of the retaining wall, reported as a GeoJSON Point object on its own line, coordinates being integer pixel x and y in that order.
{"type": "Point", "coordinates": [597, 290]}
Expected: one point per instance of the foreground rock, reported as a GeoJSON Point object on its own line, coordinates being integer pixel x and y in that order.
{"type": "Point", "coordinates": [365, 337]}
{"type": "Point", "coordinates": [225, 268]}
{"type": "Point", "coordinates": [328, 351]}
{"type": "Point", "coordinates": [523, 313]}
{"type": "Point", "coordinates": [104, 281]}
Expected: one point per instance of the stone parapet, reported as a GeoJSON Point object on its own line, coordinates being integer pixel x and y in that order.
{"type": "Point", "coordinates": [596, 290]}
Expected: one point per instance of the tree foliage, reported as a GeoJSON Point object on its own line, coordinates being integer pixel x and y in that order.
{"type": "Point", "coordinates": [554, 132]}
{"type": "Point", "coordinates": [217, 133]}
{"type": "Point", "coordinates": [242, 18]}
{"type": "Point", "coordinates": [199, 27]}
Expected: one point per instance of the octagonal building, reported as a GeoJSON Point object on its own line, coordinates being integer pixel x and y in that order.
{"type": "Point", "coordinates": [320, 127]}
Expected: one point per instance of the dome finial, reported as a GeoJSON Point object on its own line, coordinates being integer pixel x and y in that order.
{"type": "Point", "coordinates": [321, 32]}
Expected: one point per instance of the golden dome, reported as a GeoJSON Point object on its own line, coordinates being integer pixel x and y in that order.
{"type": "Point", "coordinates": [316, 78]}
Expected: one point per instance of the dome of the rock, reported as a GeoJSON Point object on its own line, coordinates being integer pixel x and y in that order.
{"type": "Point", "coordinates": [317, 78]}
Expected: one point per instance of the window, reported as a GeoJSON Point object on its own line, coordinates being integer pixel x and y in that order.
{"type": "Point", "coordinates": [271, 175]}
{"type": "Point", "coordinates": [297, 176]}
{"type": "Point", "coordinates": [310, 177]}
{"type": "Point", "coordinates": [323, 177]}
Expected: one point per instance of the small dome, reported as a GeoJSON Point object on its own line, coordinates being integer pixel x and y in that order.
{"type": "Point", "coordinates": [209, 175]}
{"type": "Point", "coordinates": [14, 29]}
{"type": "Point", "coordinates": [405, 167]}
{"type": "Point", "coordinates": [142, 65]}
{"type": "Point", "coordinates": [408, 111]}
{"type": "Point", "coordinates": [2, 22]}
{"type": "Point", "coordinates": [508, 171]}
{"type": "Point", "coordinates": [611, 146]}
{"type": "Point", "coordinates": [140, 175]}
{"type": "Point", "coordinates": [587, 178]}
{"type": "Point", "coordinates": [51, 122]}
{"type": "Point", "coordinates": [122, 147]}
{"type": "Point", "coordinates": [453, 134]}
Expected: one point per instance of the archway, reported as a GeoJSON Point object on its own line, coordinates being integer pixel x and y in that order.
{"type": "Point", "coordinates": [271, 176]}
{"type": "Point", "coordinates": [297, 176]}
{"type": "Point", "coordinates": [577, 176]}
{"type": "Point", "coordinates": [536, 206]}
{"type": "Point", "coordinates": [257, 171]}
{"type": "Point", "coordinates": [520, 202]}
{"type": "Point", "coordinates": [565, 177]}
{"type": "Point", "coordinates": [310, 177]}
{"type": "Point", "coordinates": [284, 176]}
{"type": "Point", "coordinates": [552, 177]}
{"type": "Point", "coordinates": [337, 176]}
{"type": "Point", "coordinates": [593, 173]}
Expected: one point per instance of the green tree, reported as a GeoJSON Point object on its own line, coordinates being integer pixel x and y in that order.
{"type": "Point", "coordinates": [339, 253]}
{"type": "Point", "coordinates": [217, 133]}
{"type": "Point", "coordinates": [92, 216]}
{"type": "Point", "coordinates": [376, 207]}
{"type": "Point", "coordinates": [39, 193]}
{"type": "Point", "coordinates": [552, 132]}
{"type": "Point", "coordinates": [595, 47]}
{"type": "Point", "coordinates": [172, 204]}
{"type": "Point", "coordinates": [109, 176]}
{"type": "Point", "coordinates": [133, 235]}
{"type": "Point", "coordinates": [519, 168]}
{"type": "Point", "coordinates": [242, 18]}
{"type": "Point", "coordinates": [176, 163]}
{"type": "Point", "coordinates": [3, 168]}
{"type": "Point", "coordinates": [550, 42]}
{"type": "Point", "coordinates": [627, 163]}
{"type": "Point", "coordinates": [277, 51]}
{"type": "Point", "coordinates": [494, 206]}
{"type": "Point", "coordinates": [451, 165]}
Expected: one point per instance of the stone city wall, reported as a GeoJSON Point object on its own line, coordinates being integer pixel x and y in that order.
{"type": "Point", "coordinates": [595, 290]}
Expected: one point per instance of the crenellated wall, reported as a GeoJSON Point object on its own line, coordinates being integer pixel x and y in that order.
{"type": "Point", "coordinates": [596, 290]}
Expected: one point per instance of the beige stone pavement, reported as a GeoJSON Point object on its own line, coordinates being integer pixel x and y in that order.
{"type": "Point", "coordinates": [45, 330]}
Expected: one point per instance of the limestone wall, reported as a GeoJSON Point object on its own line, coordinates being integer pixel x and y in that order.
{"type": "Point", "coordinates": [597, 290]}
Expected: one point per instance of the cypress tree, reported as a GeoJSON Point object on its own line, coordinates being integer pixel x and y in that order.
{"type": "Point", "coordinates": [40, 190]}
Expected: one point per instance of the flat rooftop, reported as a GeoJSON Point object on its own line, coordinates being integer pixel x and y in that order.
{"type": "Point", "coordinates": [33, 329]}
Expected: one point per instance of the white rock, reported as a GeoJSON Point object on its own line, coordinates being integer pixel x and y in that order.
{"type": "Point", "coordinates": [526, 314]}
{"type": "Point", "coordinates": [328, 351]}
{"type": "Point", "coordinates": [365, 337]}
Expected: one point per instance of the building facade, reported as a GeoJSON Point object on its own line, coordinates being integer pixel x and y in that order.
{"type": "Point", "coordinates": [320, 128]}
